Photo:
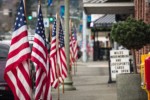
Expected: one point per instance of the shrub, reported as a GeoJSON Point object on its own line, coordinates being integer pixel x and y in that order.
{"type": "Point", "coordinates": [132, 34]}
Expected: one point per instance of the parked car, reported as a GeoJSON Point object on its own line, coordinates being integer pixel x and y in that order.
{"type": "Point", "coordinates": [5, 91]}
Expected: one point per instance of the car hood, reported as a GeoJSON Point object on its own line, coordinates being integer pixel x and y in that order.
{"type": "Point", "coordinates": [2, 68]}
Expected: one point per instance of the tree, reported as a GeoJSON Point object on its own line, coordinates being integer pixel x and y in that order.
{"type": "Point", "coordinates": [132, 34]}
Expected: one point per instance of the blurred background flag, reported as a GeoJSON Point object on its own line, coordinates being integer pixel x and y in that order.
{"type": "Point", "coordinates": [61, 55]}
{"type": "Point", "coordinates": [53, 54]}
{"type": "Point", "coordinates": [50, 2]}
{"type": "Point", "coordinates": [75, 44]}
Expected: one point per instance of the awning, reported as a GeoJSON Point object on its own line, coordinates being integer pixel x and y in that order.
{"type": "Point", "coordinates": [105, 21]}
{"type": "Point", "coordinates": [108, 6]}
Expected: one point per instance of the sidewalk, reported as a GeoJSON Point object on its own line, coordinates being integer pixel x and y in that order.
{"type": "Point", "coordinates": [91, 82]}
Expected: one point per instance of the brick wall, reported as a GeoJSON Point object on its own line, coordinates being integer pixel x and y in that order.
{"type": "Point", "coordinates": [142, 11]}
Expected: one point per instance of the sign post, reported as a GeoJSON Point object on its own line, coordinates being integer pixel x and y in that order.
{"type": "Point", "coordinates": [110, 79]}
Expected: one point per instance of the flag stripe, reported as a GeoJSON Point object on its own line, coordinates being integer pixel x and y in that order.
{"type": "Point", "coordinates": [39, 85]}
{"type": "Point", "coordinates": [21, 79]}
{"type": "Point", "coordinates": [15, 60]}
{"type": "Point", "coordinates": [40, 61]}
{"type": "Point", "coordinates": [48, 85]}
{"type": "Point", "coordinates": [14, 53]}
{"type": "Point", "coordinates": [12, 78]}
{"type": "Point", "coordinates": [16, 34]}
{"type": "Point", "coordinates": [53, 66]}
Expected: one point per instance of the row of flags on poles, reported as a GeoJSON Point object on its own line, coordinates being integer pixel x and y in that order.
{"type": "Point", "coordinates": [50, 68]}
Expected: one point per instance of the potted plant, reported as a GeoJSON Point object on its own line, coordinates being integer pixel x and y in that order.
{"type": "Point", "coordinates": [133, 35]}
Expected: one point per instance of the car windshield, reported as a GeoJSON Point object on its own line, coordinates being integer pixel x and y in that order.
{"type": "Point", "coordinates": [4, 49]}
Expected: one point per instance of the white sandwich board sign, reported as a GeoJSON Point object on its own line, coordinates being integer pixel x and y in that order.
{"type": "Point", "coordinates": [119, 62]}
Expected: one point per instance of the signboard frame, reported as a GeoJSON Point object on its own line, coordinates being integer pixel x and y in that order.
{"type": "Point", "coordinates": [119, 62]}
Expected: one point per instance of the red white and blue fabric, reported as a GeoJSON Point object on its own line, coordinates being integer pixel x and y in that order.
{"type": "Point", "coordinates": [53, 59]}
{"type": "Point", "coordinates": [75, 44]}
{"type": "Point", "coordinates": [40, 58]}
{"type": "Point", "coordinates": [17, 71]}
{"type": "Point", "coordinates": [71, 49]}
{"type": "Point", "coordinates": [61, 55]}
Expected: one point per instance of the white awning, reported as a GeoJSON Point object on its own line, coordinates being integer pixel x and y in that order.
{"type": "Point", "coordinates": [109, 8]}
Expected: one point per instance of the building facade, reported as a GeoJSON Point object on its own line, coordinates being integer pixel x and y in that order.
{"type": "Point", "coordinates": [142, 12]}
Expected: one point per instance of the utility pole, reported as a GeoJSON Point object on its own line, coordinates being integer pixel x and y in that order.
{"type": "Point", "coordinates": [68, 83]}
{"type": "Point", "coordinates": [84, 58]}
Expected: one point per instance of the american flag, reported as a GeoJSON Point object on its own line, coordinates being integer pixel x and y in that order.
{"type": "Point", "coordinates": [61, 55]}
{"type": "Point", "coordinates": [40, 58]}
{"type": "Point", "coordinates": [71, 48]}
{"type": "Point", "coordinates": [53, 59]}
{"type": "Point", "coordinates": [75, 44]}
{"type": "Point", "coordinates": [17, 73]}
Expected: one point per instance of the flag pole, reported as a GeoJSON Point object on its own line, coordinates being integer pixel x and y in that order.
{"type": "Point", "coordinates": [63, 87]}
{"type": "Point", "coordinates": [39, 1]}
{"type": "Point", "coordinates": [76, 66]}
{"type": "Point", "coordinates": [57, 41]}
{"type": "Point", "coordinates": [25, 14]}
{"type": "Point", "coordinates": [74, 69]}
{"type": "Point", "coordinates": [68, 81]}
{"type": "Point", "coordinates": [24, 2]}
{"type": "Point", "coordinates": [71, 62]}
{"type": "Point", "coordinates": [77, 48]}
{"type": "Point", "coordinates": [58, 82]}
{"type": "Point", "coordinates": [50, 33]}
{"type": "Point", "coordinates": [69, 44]}
{"type": "Point", "coordinates": [72, 25]}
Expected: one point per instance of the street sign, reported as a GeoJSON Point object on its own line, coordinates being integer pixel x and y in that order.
{"type": "Point", "coordinates": [119, 62]}
{"type": "Point", "coordinates": [46, 22]}
{"type": "Point", "coordinates": [34, 14]}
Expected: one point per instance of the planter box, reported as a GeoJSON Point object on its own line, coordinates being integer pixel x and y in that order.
{"type": "Point", "coordinates": [129, 87]}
